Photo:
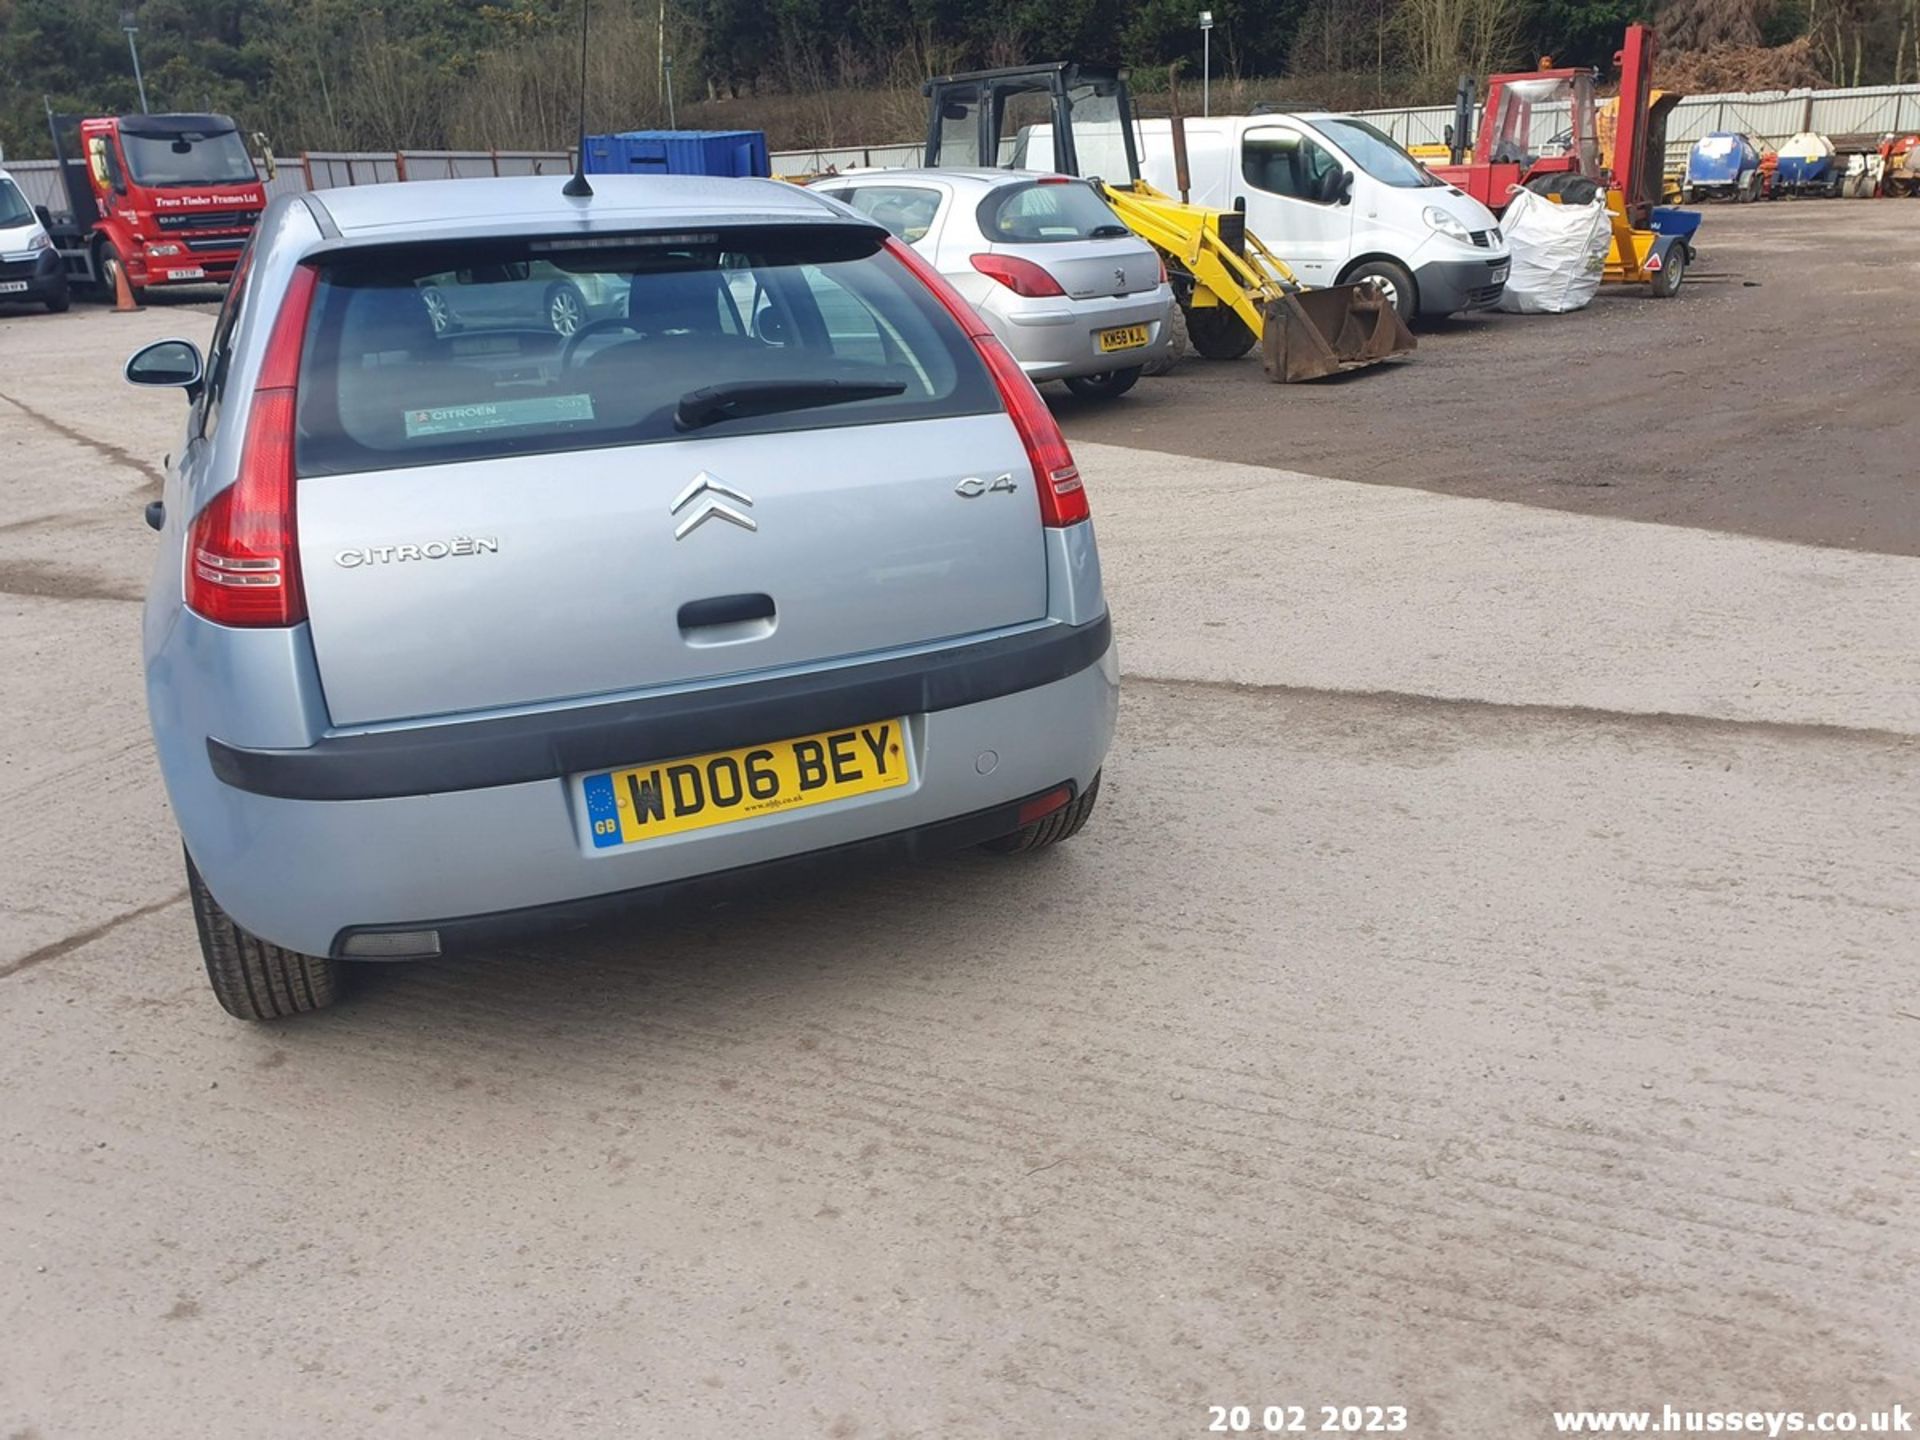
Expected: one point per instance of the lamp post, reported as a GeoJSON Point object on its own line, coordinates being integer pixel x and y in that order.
{"type": "Point", "coordinates": [1206, 62]}
{"type": "Point", "coordinates": [668, 67]}
{"type": "Point", "coordinates": [126, 24]}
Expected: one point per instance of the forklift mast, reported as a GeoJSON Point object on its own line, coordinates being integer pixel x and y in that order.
{"type": "Point", "coordinates": [1640, 133]}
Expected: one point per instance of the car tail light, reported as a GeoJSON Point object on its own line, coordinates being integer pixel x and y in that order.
{"type": "Point", "coordinates": [1023, 277]}
{"type": "Point", "coordinates": [1063, 499]}
{"type": "Point", "coordinates": [1163, 266]}
{"type": "Point", "coordinates": [243, 559]}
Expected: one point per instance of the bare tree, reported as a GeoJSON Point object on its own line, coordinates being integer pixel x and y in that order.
{"type": "Point", "coordinates": [1444, 37]}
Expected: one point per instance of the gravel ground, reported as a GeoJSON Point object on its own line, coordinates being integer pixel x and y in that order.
{"type": "Point", "coordinates": [1774, 395]}
{"type": "Point", "coordinates": [1487, 988]}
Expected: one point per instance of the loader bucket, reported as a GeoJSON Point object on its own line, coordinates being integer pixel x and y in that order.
{"type": "Point", "coordinates": [1312, 333]}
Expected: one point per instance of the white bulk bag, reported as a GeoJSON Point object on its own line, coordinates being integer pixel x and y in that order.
{"type": "Point", "coordinates": [1559, 254]}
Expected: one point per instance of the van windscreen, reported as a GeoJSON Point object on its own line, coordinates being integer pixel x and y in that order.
{"type": "Point", "coordinates": [426, 354]}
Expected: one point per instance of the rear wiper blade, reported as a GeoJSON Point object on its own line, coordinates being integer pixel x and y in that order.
{"type": "Point", "coordinates": [738, 399]}
{"type": "Point", "coordinates": [1107, 232]}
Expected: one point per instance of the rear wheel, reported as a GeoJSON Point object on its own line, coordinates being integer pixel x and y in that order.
{"type": "Point", "coordinates": [1391, 279]}
{"type": "Point", "coordinates": [1108, 385]}
{"type": "Point", "coordinates": [1673, 269]}
{"type": "Point", "coordinates": [566, 310]}
{"type": "Point", "coordinates": [1216, 333]}
{"type": "Point", "coordinates": [1177, 344]}
{"type": "Point", "coordinates": [252, 979]}
{"type": "Point", "coordinates": [1063, 824]}
{"type": "Point", "coordinates": [439, 312]}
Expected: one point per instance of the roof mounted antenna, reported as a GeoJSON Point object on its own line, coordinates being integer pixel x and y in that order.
{"type": "Point", "coordinates": [577, 188]}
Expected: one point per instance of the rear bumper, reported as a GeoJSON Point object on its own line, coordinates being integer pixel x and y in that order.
{"type": "Point", "coordinates": [1056, 338]}
{"type": "Point", "coordinates": [1450, 286]}
{"type": "Point", "coordinates": [898, 847]}
{"type": "Point", "coordinates": [303, 872]}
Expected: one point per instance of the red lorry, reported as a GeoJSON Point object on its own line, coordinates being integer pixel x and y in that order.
{"type": "Point", "coordinates": [166, 199]}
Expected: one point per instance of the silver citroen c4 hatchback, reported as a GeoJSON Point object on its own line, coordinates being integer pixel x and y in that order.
{"type": "Point", "coordinates": [456, 631]}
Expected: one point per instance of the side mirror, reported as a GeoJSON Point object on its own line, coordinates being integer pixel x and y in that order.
{"type": "Point", "coordinates": [168, 363]}
{"type": "Point", "coordinates": [45, 217]}
{"type": "Point", "coordinates": [770, 327]}
{"type": "Point", "coordinates": [1446, 137]}
{"type": "Point", "coordinates": [1345, 191]}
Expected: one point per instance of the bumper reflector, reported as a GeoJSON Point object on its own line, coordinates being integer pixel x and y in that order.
{"type": "Point", "coordinates": [391, 945]}
{"type": "Point", "coordinates": [1042, 806]}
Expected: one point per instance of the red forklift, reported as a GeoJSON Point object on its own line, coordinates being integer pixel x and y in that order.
{"type": "Point", "coordinates": [1543, 131]}
{"type": "Point", "coordinates": [162, 199]}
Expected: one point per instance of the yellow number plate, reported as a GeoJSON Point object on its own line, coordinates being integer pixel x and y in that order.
{"type": "Point", "coordinates": [1127, 337]}
{"type": "Point", "coordinates": [626, 807]}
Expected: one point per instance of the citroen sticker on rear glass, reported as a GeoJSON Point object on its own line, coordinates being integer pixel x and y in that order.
{"type": "Point", "coordinates": [494, 414]}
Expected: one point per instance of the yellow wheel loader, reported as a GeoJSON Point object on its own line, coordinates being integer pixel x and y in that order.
{"type": "Point", "coordinates": [1235, 293]}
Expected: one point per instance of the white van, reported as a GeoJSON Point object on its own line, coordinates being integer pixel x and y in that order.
{"type": "Point", "coordinates": [30, 268]}
{"type": "Point", "coordinates": [1339, 201]}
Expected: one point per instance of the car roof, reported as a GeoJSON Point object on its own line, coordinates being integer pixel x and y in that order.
{"type": "Point", "coordinates": [970, 175]}
{"type": "Point", "coordinates": [524, 204]}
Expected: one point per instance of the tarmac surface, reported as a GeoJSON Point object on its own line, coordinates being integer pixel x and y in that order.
{"type": "Point", "coordinates": [1488, 986]}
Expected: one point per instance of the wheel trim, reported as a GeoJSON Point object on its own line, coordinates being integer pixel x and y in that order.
{"type": "Point", "coordinates": [563, 312]}
{"type": "Point", "coordinates": [437, 311]}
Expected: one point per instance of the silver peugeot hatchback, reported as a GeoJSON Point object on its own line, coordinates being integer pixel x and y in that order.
{"type": "Point", "coordinates": [1073, 293]}
{"type": "Point", "coordinates": [463, 631]}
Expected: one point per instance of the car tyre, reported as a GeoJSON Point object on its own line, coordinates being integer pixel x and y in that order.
{"type": "Point", "coordinates": [252, 979]}
{"type": "Point", "coordinates": [1216, 333]}
{"type": "Point", "coordinates": [59, 297]}
{"type": "Point", "coordinates": [1062, 825]}
{"type": "Point", "coordinates": [566, 309]}
{"type": "Point", "coordinates": [439, 311]}
{"type": "Point", "coordinates": [1109, 385]}
{"type": "Point", "coordinates": [1392, 278]}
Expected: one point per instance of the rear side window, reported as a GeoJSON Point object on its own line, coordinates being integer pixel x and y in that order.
{"type": "Point", "coordinates": [428, 354]}
{"type": "Point", "coordinates": [1047, 210]}
{"type": "Point", "coordinates": [906, 210]}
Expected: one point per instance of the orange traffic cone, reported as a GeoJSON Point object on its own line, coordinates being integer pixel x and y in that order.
{"type": "Point", "coordinates": [123, 302]}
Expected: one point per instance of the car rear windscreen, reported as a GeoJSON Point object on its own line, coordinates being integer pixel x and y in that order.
{"type": "Point", "coordinates": [1047, 210]}
{"type": "Point", "coordinates": [429, 354]}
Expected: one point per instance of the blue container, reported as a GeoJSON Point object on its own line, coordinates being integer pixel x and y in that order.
{"type": "Point", "coordinates": [1672, 220]}
{"type": "Point", "coordinates": [679, 152]}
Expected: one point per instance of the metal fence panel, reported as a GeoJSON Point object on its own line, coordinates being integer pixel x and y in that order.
{"type": "Point", "coordinates": [39, 181]}
{"type": "Point", "coordinates": [821, 160]}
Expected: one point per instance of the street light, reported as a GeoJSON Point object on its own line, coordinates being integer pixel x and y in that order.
{"type": "Point", "coordinates": [1206, 62]}
{"type": "Point", "coordinates": [126, 24]}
